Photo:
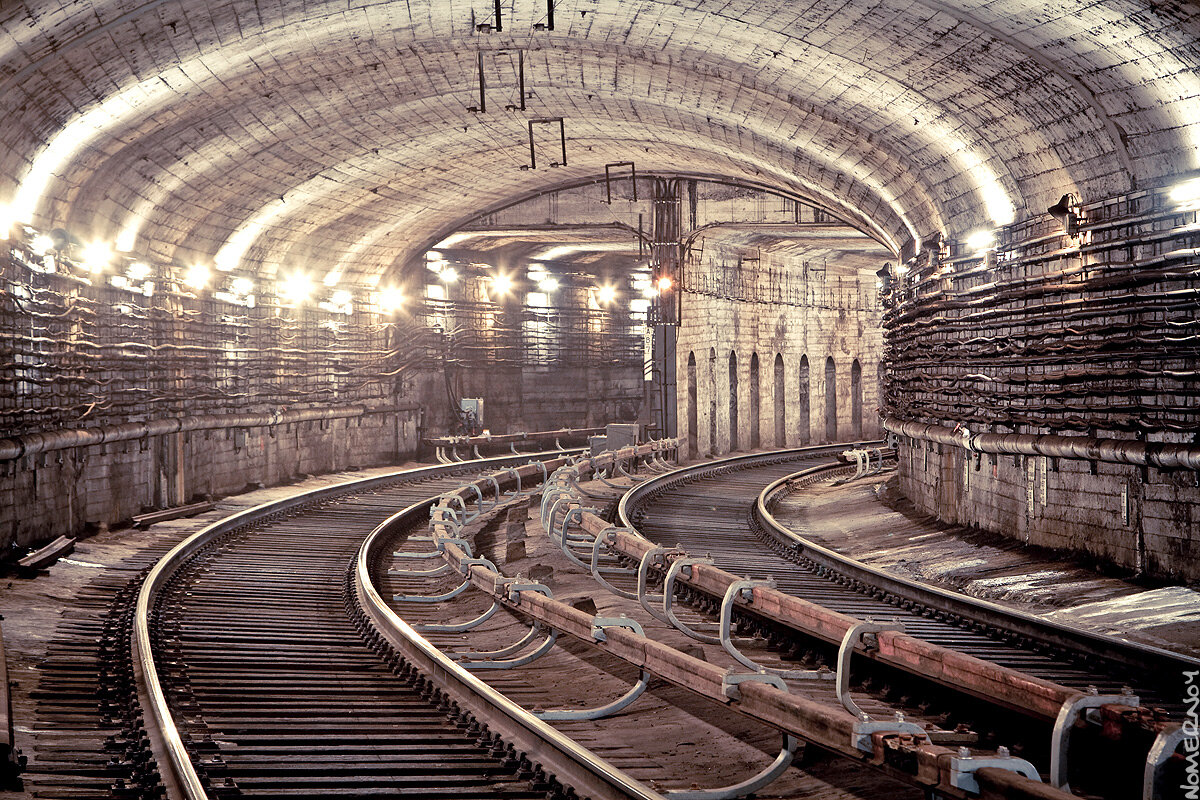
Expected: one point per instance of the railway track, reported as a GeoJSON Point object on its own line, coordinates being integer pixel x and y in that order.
{"type": "Point", "coordinates": [722, 510]}
{"type": "Point", "coordinates": [264, 678]}
{"type": "Point", "coordinates": [272, 667]}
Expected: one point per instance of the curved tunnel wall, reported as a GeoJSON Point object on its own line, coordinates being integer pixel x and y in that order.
{"type": "Point", "coordinates": [1090, 335]}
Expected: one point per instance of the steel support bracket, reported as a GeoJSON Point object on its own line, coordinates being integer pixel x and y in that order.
{"type": "Point", "coordinates": [744, 589]}
{"type": "Point", "coordinates": [1071, 709]}
{"type": "Point", "coordinates": [1164, 747]}
{"type": "Point", "coordinates": [668, 597]}
{"type": "Point", "coordinates": [730, 682]}
{"type": "Point", "coordinates": [862, 738]}
{"type": "Point", "coordinates": [600, 623]}
{"type": "Point", "coordinates": [463, 545]}
{"type": "Point", "coordinates": [513, 589]}
{"type": "Point", "coordinates": [962, 769]}
{"type": "Point", "coordinates": [863, 632]}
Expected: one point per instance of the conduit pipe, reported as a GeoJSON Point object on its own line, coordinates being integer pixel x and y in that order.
{"type": "Point", "coordinates": [1118, 451]}
{"type": "Point", "coordinates": [49, 441]}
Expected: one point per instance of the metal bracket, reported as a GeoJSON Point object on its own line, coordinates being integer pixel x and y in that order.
{"type": "Point", "coordinates": [862, 631]}
{"type": "Point", "coordinates": [1067, 715]}
{"type": "Point", "coordinates": [655, 555]}
{"type": "Point", "coordinates": [668, 597]}
{"type": "Point", "coordinates": [460, 627]}
{"type": "Point", "coordinates": [962, 769]}
{"type": "Point", "coordinates": [749, 786]}
{"type": "Point", "coordinates": [420, 573]}
{"type": "Point", "coordinates": [433, 598]}
{"type": "Point", "coordinates": [744, 588]}
{"type": "Point", "coordinates": [606, 537]}
{"type": "Point", "coordinates": [463, 545]}
{"type": "Point", "coordinates": [464, 566]}
{"type": "Point", "coordinates": [864, 730]}
{"type": "Point", "coordinates": [1164, 747]}
{"type": "Point", "coordinates": [606, 710]}
{"type": "Point", "coordinates": [600, 623]}
{"type": "Point", "coordinates": [731, 680]}
{"type": "Point", "coordinates": [513, 589]}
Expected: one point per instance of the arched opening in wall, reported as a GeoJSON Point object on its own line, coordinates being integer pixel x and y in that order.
{"type": "Point", "coordinates": [693, 422]}
{"type": "Point", "coordinates": [831, 430]}
{"type": "Point", "coordinates": [780, 419]}
{"type": "Point", "coordinates": [804, 405]}
{"type": "Point", "coordinates": [755, 404]}
{"type": "Point", "coordinates": [712, 400]}
{"type": "Point", "coordinates": [856, 399]}
{"type": "Point", "coordinates": [733, 401]}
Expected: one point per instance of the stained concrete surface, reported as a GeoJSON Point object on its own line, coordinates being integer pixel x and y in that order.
{"type": "Point", "coordinates": [866, 520]}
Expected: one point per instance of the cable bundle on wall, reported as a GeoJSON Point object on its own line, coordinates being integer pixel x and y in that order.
{"type": "Point", "coordinates": [1092, 330]}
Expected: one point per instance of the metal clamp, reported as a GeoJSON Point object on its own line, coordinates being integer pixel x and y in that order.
{"type": "Point", "coordinates": [462, 544]}
{"type": "Point", "coordinates": [513, 589]}
{"type": "Point", "coordinates": [962, 768]}
{"type": "Point", "coordinates": [862, 736]}
{"type": "Point", "coordinates": [731, 680]}
{"type": "Point", "coordinates": [600, 623]}
{"type": "Point", "coordinates": [464, 566]}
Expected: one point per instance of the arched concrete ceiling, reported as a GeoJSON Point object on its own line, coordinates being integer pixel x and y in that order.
{"type": "Point", "coordinates": [314, 134]}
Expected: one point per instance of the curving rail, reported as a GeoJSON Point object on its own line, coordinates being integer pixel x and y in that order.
{"type": "Point", "coordinates": [180, 775]}
{"type": "Point", "coordinates": [1039, 654]}
{"type": "Point", "coordinates": [754, 693]}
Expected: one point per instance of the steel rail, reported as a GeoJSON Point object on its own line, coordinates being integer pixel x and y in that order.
{"type": "Point", "coordinates": [569, 761]}
{"type": "Point", "coordinates": [1057, 634]}
{"type": "Point", "coordinates": [178, 773]}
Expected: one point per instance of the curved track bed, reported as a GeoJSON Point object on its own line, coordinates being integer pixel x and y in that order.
{"type": "Point", "coordinates": [714, 509]}
{"type": "Point", "coordinates": [280, 690]}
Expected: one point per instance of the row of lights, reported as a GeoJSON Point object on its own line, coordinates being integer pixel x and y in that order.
{"type": "Point", "coordinates": [98, 259]}
{"type": "Point", "coordinates": [502, 285]}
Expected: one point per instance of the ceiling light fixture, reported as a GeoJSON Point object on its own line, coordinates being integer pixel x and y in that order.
{"type": "Point", "coordinates": [96, 257]}
{"type": "Point", "coordinates": [197, 277]}
{"type": "Point", "coordinates": [980, 241]}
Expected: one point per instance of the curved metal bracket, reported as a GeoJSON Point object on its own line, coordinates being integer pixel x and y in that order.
{"type": "Point", "coordinates": [655, 555]}
{"type": "Point", "coordinates": [600, 542]}
{"type": "Point", "coordinates": [421, 573]}
{"type": "Point", "coordinates": [521, 661]}
{"type": "Point", "coordinates": [600, 712]}
{"type": "Point", "coordinates": [855, 634]}
{"type": "Point", "coordinates": [1165, 745]}
{"type": "Point", "coordinates": [460, 627]}
{"type": "Point", "coordinates": [495, 488]}
{"type": "Point", "coordinates": [1061, 738]}
{"type": "Point", "coordinates": [735, 590]}
{"type": "Point", "coordinates": [507, 650]}
{"type": "Point", "coordinates": [668, 596]}
{"type": "Point", "coordinates": [768, 775]}
{"type": "Point", "coordinates": [433, 598]}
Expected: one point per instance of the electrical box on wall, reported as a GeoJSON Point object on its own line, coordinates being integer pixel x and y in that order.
{"type": "Point", "coordinates": [474, 407]}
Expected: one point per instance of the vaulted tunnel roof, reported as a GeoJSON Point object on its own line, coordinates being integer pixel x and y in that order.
{"type": "Point", "coordinates": [315, 134]}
